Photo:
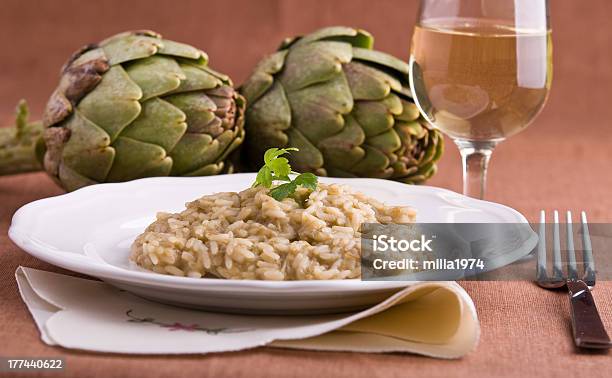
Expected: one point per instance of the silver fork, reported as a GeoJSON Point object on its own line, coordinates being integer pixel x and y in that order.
{"type": "Point", "coordinates": [589, 331]}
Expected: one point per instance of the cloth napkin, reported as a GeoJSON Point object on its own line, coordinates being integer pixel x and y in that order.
{"type": "Point", "coordinates": [436, 319]}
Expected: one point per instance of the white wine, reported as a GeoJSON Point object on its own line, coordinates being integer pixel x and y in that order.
{"type": "Point", "coordinates": [479, 80]}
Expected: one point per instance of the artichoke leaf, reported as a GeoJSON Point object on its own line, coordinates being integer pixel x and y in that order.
{"type": "Point", "coordinates": [401, 169]}
{"type": "Point", "coordinates": [410, 130]}
{"type": "Point", "coordinates": [203, 67]}
{"type": "Point", "coordinates": [88, 149]}
{"type": "Point", "coordinates": [192, 152]}
{"type": "Point", "coordinates": [356, 37]}
{"type": "Point", "coordinates": [220, 147]}
{"type": "Point", "coordinates": [256, 86]}
{"type": "Point", "coordinates": [317, 62]}
{"type": "Point", "coordinates": [225, 144]}
{"type": "Point", "coordinates": [129, 46]}
{"type": "Point", "coordinates": [382, 59]}
{"type": "Point", "coordinates": [160, 169]}
{"type": "Point", "coordinates": [437, 139]}
{"type": "Point", "coordinates": [410, 112]}
{"type": "Point", "coordinates": [79, 77]}
{"type": "Point", "coordinates": [200, 111]}
{"type": "Point", "coordinates": [393, 104]}
{"type": "Point", "coordinates": [374, 164]}
{"type": "Point", "coordinates": [231, 140]}
{"type": "Point", "coordinates": [72, 180]}
{"type": "Point", "coordinates": [183, 50]}
{"type": "Point", "coordinates": [159, 123]}
{"type": "Point", "coordinates": [368, 83]}
{"type": "Point", "coordinates": [196, 79]}
{"type": "Point", "coordinates": [426, 169]}
{"type": "Point", "coordinates": [224, 78]}
{"type": "Point", "coordinates": [207, 170]}
{"type": "Point", "coordinates": [272, 111]}
{"type": "Point", "coordinates": [262, 77]}
{"type": "Point", "coordinates": [266, 121]}
{"type": "Point", "coordinates": [88, 56]}
{"type": "Point", "coordinates": [376, 117]}
{"type": "Point", "coordinates": [414, 179]}
{"type": "Point", "coordinates": [317, 111]}
{"type": "Point", "coordinates": [387, 142]}
{"type": "Point", "coordinates": [342, 150]}
{"type": "Point", "coordinates": [430, 152]}
{"type": "Point", "coordinates": [337, 172]}
{"type": "Point", "coordinates": [156, 75]}
{"type": "Point", "coordinates": [134, 159]}
{"type": "Point", "coordinates": [388, 63]}
{"type": "Point", "coordinates": [308, 158]}
{"type": "Point", "coordinates": [226, 102]}
{"type": "Point", "coordinates": [113, 104]}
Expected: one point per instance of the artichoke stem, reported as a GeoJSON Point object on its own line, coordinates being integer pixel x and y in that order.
{"type": "Point", "coordinates": [21, 146]}
{"type": "Point", "coordinates": [18, 155]}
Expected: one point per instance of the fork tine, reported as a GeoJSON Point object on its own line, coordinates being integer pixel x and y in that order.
{"type": "Point", "coordinates": [541, 268]}
{"type": "Point", "coordinates": [571, 253]}
{"type": "Point", "coordinates": [557, 266]}
{"type": "Point", "coordinates": [589, 261]}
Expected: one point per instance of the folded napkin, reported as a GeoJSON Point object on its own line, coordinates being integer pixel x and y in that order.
{"type": "Point", "coordinates": [436, 319]}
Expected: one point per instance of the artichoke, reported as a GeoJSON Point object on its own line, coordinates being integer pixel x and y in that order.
{"type": "Point", "coordinates": [136, 105]}
{"type": "Point", "coordinates": [347, 107]}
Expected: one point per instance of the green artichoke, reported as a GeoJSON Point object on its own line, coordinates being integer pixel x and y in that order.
{"type": "Point", "coordinates": [347, 107]}
{"type": "Point", "coordinates": [136, 105]}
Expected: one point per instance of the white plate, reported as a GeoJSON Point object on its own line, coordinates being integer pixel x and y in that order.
{"type": "Point", "coordinates": [90, 231]}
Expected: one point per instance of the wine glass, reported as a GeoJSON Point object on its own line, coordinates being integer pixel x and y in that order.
{"type": "Point", "coordinates": [480, 71]}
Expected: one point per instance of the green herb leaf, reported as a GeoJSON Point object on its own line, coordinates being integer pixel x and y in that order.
{"type": "Point", "coordinates": [264, 177]}
{"type": "Point", "coordinates": [283, 191]}
{"type": "Point", "coordinates": [273, 153]}
{"type": "Point", "coordinates": [307, 180]}
{"type": "Point", "coordinates": [270, 155]}
{"type": "Point", "coordinates": [280, 166]}
{"type": "Point", "coordinates": [277, 168]}
{"type": "Point", "coordinates": [281, 178]}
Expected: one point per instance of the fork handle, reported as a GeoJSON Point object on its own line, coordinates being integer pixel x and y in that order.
{"type": "Point", "coordinates": [589, 331]}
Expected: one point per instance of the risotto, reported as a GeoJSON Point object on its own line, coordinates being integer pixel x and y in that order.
{"type": "Point", "coordinates": [250, 235]}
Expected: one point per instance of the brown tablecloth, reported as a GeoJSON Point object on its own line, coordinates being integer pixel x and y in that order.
{"type": "Point", "coordinates": [563, 161]}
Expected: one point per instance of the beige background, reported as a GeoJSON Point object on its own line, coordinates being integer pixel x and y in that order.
{"type": "Point", "coordinates": [564, 161]}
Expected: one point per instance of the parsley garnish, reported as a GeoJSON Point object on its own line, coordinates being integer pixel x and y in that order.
{"type": "Point", "coordinates": [277, 168]}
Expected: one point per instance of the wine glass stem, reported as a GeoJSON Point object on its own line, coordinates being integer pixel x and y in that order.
{"type": "Point", "coordinates": [475, 158]}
